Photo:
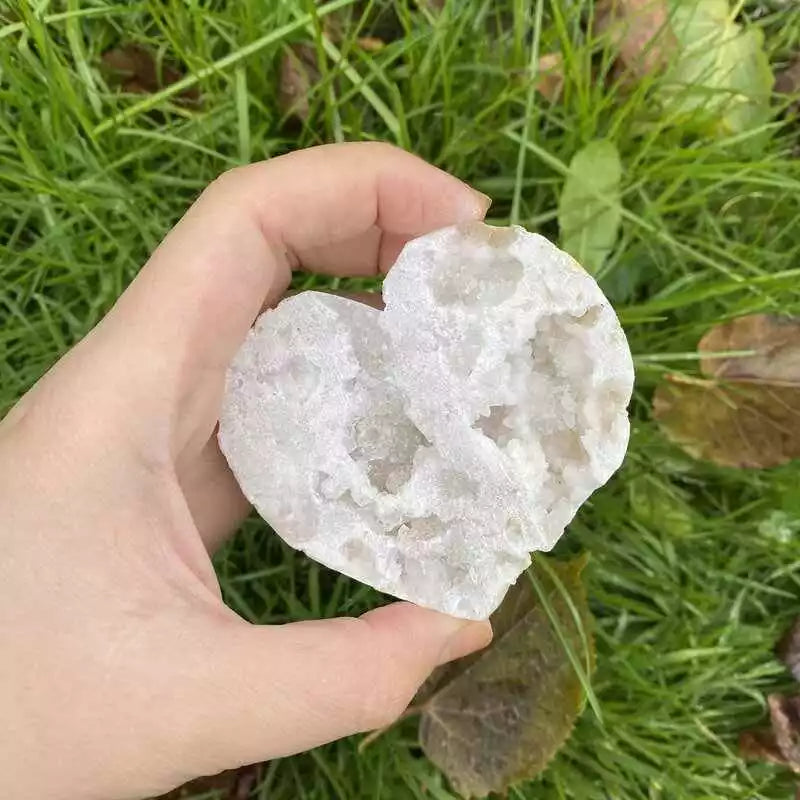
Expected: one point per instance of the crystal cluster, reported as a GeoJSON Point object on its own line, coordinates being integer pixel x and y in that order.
{"type": "Point", "coordinates": [428, 448]}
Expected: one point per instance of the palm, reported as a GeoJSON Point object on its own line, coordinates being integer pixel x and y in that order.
{"type": "Point", "coordinates": [114, 493]}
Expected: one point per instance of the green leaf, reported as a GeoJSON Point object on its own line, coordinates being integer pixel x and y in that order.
{"type": "Point", "coordinates": [660, 506]}
{"type": "Point", "coordinates": [751, 76]}
{"type": "Point", "coordinates": [721, 71]}
{"type": "Point", "coordinates": [589, 210]}
{"type": "Point", "coordinates": [500, 715]}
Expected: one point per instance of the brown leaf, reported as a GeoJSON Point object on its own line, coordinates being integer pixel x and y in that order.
{"type": "Point", "coordinates": [788, 80]}
{"type": "Point", "coordinates": [374, 299]}
{"type": "Point", "coordinates": [500, 715]}
{"type": "Point", "coordinates": [639, 30]}
{"type": "Point", "coordinates": [377, 22]}
{"type": "Point", "coordinates": [336, 25]}
{"type": "Point", "coordinates": [550, 76]}
{"type": "Point", "coordinates": [748, 413]}
{"type": "Point", "coordinates": [784, 714]}
{"type": "Point", "coordinates": [733, 425]}
{"type": "Point", "coordinates": [137, 70]}
{"type": "Point", "coordinates": [780, 743]}
{"type": "Point", "coordinates": [236, 784]}
{"type": "Point", "coordinates": [788, 649]}
{"type": "Point", "coordinates": [759, 745]}
{"type": "Point", "coordinates": [774, 340]}
{"type": "Point", "coordinates": [372, 44]}
{"type": "Point", "coordinates": [299, 73]}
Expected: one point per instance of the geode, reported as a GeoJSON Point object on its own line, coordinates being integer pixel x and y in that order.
{"type": "Point", "coordinates": [428, 448]}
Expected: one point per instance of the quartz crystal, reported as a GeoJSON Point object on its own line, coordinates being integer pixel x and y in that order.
{"type": "Point", "coordinates": [428, 448]}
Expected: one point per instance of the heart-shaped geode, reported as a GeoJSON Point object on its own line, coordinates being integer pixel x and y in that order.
{"type": "Point", "coordinates": [428, 448]}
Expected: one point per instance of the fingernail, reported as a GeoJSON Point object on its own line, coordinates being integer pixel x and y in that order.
{"type": "Point", "coordinates": [476, 205]}
{"type": "Point", "coordinates": [467, 638]}
{"type": "Point", "coordinates": [484, 201]}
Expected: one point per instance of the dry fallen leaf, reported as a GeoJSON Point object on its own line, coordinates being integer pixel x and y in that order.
{"type": "Point", "coordinates": [640, 32]}
{"type": "Point", "coordinates": [299, 73]}
{"type": "Point", "coordinates": [788, 80]}
{"type": "Point", "coordinates": [733, 425]}
{"type": "Point", "coordinates": [760, 745]}
{"type": "Point", "coordinates": [139, 71]}
{"type": "Point", "coordinates": [234, 784]}
{"type": "Point", "coordinates": [550, 75]}
{"type": "Point", "coordinates": [500, 715]}
{"type": "Point", "coordinates": [788, 649]}
{"type": "Point", "coordinates": [372, 44]}
{"type": "Point", "coordinates": [775, 342]}
{"type": "Point", "coordinates": [779, 744]}
{"type": "Point", "coordinates": [746, 413]}
{"type": "Point", "coordinates": [374, 299]}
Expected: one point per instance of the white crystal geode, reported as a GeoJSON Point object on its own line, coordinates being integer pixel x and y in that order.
{"type": "Point", "coordinates": [427, 449]}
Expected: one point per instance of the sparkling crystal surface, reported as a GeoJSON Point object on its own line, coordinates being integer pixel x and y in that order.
{"type": "Point", "coordinates": [428, 448]}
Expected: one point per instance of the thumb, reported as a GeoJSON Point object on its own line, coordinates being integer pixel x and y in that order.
{"type": "Point", "coordinates": [291, 687]}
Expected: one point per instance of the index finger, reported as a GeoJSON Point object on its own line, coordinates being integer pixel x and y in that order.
{"type": "Point", "coordinates": [199, 293]}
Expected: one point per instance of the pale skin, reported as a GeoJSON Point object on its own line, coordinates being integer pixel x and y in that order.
{"type": "Point", "coordinates": [122, 673]}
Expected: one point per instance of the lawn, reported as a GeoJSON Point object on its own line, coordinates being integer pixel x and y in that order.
{"type": "Point", "coordinates": [694, 569]}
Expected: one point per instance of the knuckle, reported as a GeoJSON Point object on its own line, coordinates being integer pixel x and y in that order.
{"type": "Point", "coordinates": [384, 148]}
{"type": "Point", "coordinates": [227, 181]}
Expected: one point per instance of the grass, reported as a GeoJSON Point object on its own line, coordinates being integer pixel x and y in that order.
{"type": "Point", "coordinates": [689, 589]}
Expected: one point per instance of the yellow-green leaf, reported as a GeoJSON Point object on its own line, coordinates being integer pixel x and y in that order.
{"type": "Point", "coordinates": [721, 72]}
{"type": "Point", "coordinates": [589, 210]}
{"type": "Point", "coordinates": [500, 715]}
{"type": "Point", "coordinates": [660, 506]}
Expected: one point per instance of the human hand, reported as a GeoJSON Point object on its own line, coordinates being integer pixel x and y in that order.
{"type": "Point", "coordinates": [122, 672]}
